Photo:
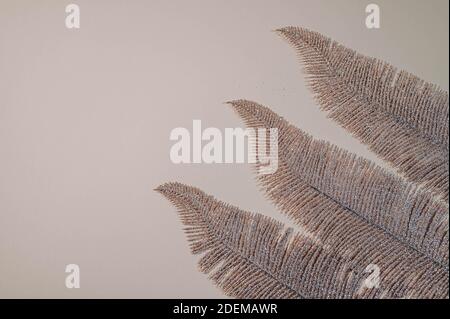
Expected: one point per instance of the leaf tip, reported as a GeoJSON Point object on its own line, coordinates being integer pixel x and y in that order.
{"type": "Point", "coordinates": [287, 32]}
{"type": "Point", "coordinates": [167, 187]}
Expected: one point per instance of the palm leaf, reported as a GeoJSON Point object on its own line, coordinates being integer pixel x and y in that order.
{"type": "Point", "coordinates": [252, 256]}
{"type": "Point", "coordinates": [356, 214]}
{"type": "Point", "coordinates": [348, 201]}
{"type": "Point", "coordinates": [402, 118]}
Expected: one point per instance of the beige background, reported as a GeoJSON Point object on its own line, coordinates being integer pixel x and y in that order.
{"type": "Point", "coordinates": [85, 117]}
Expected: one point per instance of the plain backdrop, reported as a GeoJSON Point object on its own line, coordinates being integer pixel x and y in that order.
{"type": "Point", "coordinates": [85, 118]}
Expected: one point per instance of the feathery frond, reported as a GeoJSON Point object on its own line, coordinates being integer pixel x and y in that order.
{"type": "Point", "coordinates": [357, 214]}
{"type": "Point", "coordinates": [252, 256]}
{"type": "Point", "coordinates": [348, 201]}
{"type": "Point", "coordinates": [402, 118]}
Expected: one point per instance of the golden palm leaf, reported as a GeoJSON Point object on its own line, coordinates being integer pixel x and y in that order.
{"type": "Point", "coordinates": [360, 215]}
